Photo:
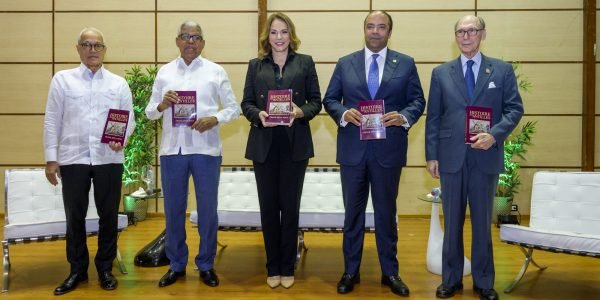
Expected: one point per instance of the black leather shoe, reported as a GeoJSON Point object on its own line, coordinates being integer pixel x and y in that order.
{"type": "Point", "coordinates": [70, 283]}
{"type": "Point", "coordinates": [209, 277]}
{"type": "Point", "coordinates": [444, 291]}
{"type": "Point", "coordinates": [107, 281]}
{"type": "Point", "coordinates": [170, 277]}
{"type": "Point", "coordinates": [396, 285]}
{"type": "Point", "coordinates": [346, 284]}
{"type": "Point", "coordinates": [486, 294]}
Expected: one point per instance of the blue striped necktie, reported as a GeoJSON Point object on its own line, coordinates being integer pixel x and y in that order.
{"type": "Point", "coordinates": [373, 79]}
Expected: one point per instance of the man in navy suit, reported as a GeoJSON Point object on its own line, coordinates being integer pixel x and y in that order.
{"type": "Point", "coordinates": [375, 72]}
{"type": "Point", "coordinates": [469, 171]}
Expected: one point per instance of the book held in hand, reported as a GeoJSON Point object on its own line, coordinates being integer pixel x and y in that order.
{"type": "Point", "coordinates": [478, 120]}
{"type": "Point", "coordinates": [371, 125]}
{"type": "Point", "coordinates": [115, 126]}
{"type": "Point", "coordinates": [184, 112]}
{"type": "Point", "coordinates": [279, 106]}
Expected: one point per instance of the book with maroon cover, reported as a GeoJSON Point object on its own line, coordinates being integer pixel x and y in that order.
{"type": "Point", "coordinates": [184, 112]}
{"type": "Point", "coordinates": [279, 106]}
{"type": "Point", "coordinates": [115, 126]}
{"type": "Point", "coordinates": [371, 125]}
{"type": "Point", "coordinates": [478, 120]}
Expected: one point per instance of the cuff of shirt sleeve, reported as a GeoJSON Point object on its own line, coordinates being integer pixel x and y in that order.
{"type": "Point", "coordinates": [342, 122]}
{"type": "Point", "coordinates": [50, 155]}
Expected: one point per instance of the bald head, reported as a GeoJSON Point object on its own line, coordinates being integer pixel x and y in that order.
{"type": "Point", "coordinates": [478, 21]}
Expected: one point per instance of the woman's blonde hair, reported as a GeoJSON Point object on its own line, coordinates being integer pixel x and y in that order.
{"type": "Point", "coordinates": [263, 42]}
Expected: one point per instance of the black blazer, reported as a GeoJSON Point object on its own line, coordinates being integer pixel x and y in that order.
{"type": "Point", "coordinates": [300, 75]}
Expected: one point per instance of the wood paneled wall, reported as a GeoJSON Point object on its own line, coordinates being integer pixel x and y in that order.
{"type": "Point", "coordinates": [38, 37]}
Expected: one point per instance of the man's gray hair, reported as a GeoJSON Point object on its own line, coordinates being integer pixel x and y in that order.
{"type": "Point", "coordinates": [189, 23]}
{"type": "Point", "coordinates": [92, 29]}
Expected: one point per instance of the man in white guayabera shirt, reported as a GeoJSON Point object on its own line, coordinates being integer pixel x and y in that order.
{"type": "Point", "coordinates": [191, 144]}
{"type": "Point", "coordinates": [78, 104]}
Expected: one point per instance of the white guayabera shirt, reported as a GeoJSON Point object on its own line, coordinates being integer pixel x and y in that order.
{"type": "Point", "coordinates": [213, 91]}
{"type": "Point", "coordinates": [76, 112]}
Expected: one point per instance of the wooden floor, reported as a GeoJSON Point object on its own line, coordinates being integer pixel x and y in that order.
{"type": "Point", "coordinates": [38, 268]}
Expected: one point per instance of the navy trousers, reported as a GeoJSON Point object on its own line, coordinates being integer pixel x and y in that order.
{"type": "Point", "coordinates": [175, 173]}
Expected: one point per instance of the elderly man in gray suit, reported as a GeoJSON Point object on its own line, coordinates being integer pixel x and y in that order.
{"type": "Point", "coordinates": [468, 165]}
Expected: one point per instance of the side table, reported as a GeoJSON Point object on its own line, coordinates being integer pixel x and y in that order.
{"type": "Point", "coordinates": [436, 239]}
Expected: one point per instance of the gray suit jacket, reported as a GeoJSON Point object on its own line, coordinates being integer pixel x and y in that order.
{"type": "Point", "coordinates": [496, 88]}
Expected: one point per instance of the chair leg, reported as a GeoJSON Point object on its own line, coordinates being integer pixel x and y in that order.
{"type": "Point", "coordinates": [122, 268]}
{"type": "Point", "coordinates": [528, 258]}
{"type": "Point", "coordinates": [223, 246]}
{"type": "Point", "coordinates": [6, 267]}
{"type": "Point", "coordinates": [301, 247]}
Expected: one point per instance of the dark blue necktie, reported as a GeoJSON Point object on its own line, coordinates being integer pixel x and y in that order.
{"type": "Point", "coordinates": [373, 79]}
{"type": "Point", "coordinates": [470, 79]}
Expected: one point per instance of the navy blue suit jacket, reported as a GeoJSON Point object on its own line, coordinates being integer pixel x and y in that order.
{"type": "Point", "coordinates": [401, 90]}
{"type": "Point", "coordinates": [496, 88]}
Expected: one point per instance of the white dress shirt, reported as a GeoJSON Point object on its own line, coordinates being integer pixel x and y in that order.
{"type": "Point", "coordinates": [76, 112]}
{"type": "Point", "coordinates": [212, 86]}
{"type": "Point", "coordinates": [380, 62]}
{"type": "Point", "coordinates": [380, 65]}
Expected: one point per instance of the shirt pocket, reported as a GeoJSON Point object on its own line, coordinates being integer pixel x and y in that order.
{"type": "Point", "coordinates": [75, 101]}
{"type": "Point", "coordinates": [109, 99]}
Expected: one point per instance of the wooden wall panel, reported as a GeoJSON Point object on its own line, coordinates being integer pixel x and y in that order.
{"type": "Point", "coordinates": [207, 5]}
{"type": "Point", "coordinates": [529, 4]}
{"type": "Point", "coordinates": [283, 5]}
{"type": "Point", "coordinates": [424, 71]}
{"type": "Point", "coordinates": [324, 134]}
{"type": "Point", "coordinates": [425, 36]}
{"type": "Point", "coordinates": [556, 88]}
{"type": "Point", "coordinates": [557, 142]}
{"type": "Point", "coordinates": [342, 35]}
{"type": "Point", "coordinates": [597, 146]}
{"type": "Point", "coordinates": [22, 88]}
{"type": "Point", "coordinates": [132, 43]}
{"type": "Point", "coordinates": [133, 5]}
{"type": "Point", "coordinates": [22, 140]}
{"type": "Point", "coordinates": [414, 182]}
{"type": "Point", "coordinates": [415, 155]}
{"type": "Point", "coordinates": [239, 46]}
{"type": "Point", "coordinates": [597, 89]}
{"type": "Point", "coordinates": [234, 136]}
{"type": "Point", "coordinates": [19, 43]}
{"type": "Point", "coordinates": [423, 4]}
{"type": "Point", "coordinates": [237, 76]}
{"type": "Point", "coordinates": [324, 72]}
{"type": "Point", "coordinates": [530, 36]}
{"type": "Point", "coordinates": [25, 5]}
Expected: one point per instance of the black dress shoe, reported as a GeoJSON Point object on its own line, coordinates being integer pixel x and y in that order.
{"type": "Point", "coordinates": [396, 285]}
{"type": "Point", "coordinates": [346, 284]}
{"type": "Point", "coordinates": [107, 281]}
{"type": "Point", "coordinates": [209, 277]}
{"type": "Point", "coordinates": [444, 291]}
{"type": "Point", "coordinates": [70, 283]}
{"type": "Point", "coordinates": [170, 277]}
{"type": "Point", "coordinates": [486, 294]}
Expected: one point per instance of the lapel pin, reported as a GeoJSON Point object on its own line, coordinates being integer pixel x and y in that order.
{"type": "Point", "coordinates": [487, 71]}
{"type": "Point", "coordinates": [393, 60]}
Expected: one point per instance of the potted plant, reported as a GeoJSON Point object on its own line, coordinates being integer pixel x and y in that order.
{"type": "Point", "coordinates": [515, 148]}
{"type": "Point", "coordinates": [141, 149]}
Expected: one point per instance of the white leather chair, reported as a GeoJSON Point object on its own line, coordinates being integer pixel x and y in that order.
{"type": "Point", "coordinates": [34, 212]}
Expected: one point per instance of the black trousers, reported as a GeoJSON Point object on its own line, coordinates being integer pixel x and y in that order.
{"type": "Point", "coordinates": [279, 183]}
{"type": "Point", "coordinates": [76, 183]}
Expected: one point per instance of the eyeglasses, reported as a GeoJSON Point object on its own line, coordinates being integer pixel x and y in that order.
{"type": "Point", "coordinates": [470, 32]}
{"type": "Point", "coordinates": [88, 46]}
{"type": "Point", "coordinates": [186, 37]}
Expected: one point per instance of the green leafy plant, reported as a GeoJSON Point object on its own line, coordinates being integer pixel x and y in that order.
{"type": "Point", "coordinates": [140, 149]}
{"type": "Point", "coordinates": [515, 146]}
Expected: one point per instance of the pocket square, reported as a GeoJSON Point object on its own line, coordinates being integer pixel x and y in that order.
{"type": "Point", "coordinates": [491, 85]}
